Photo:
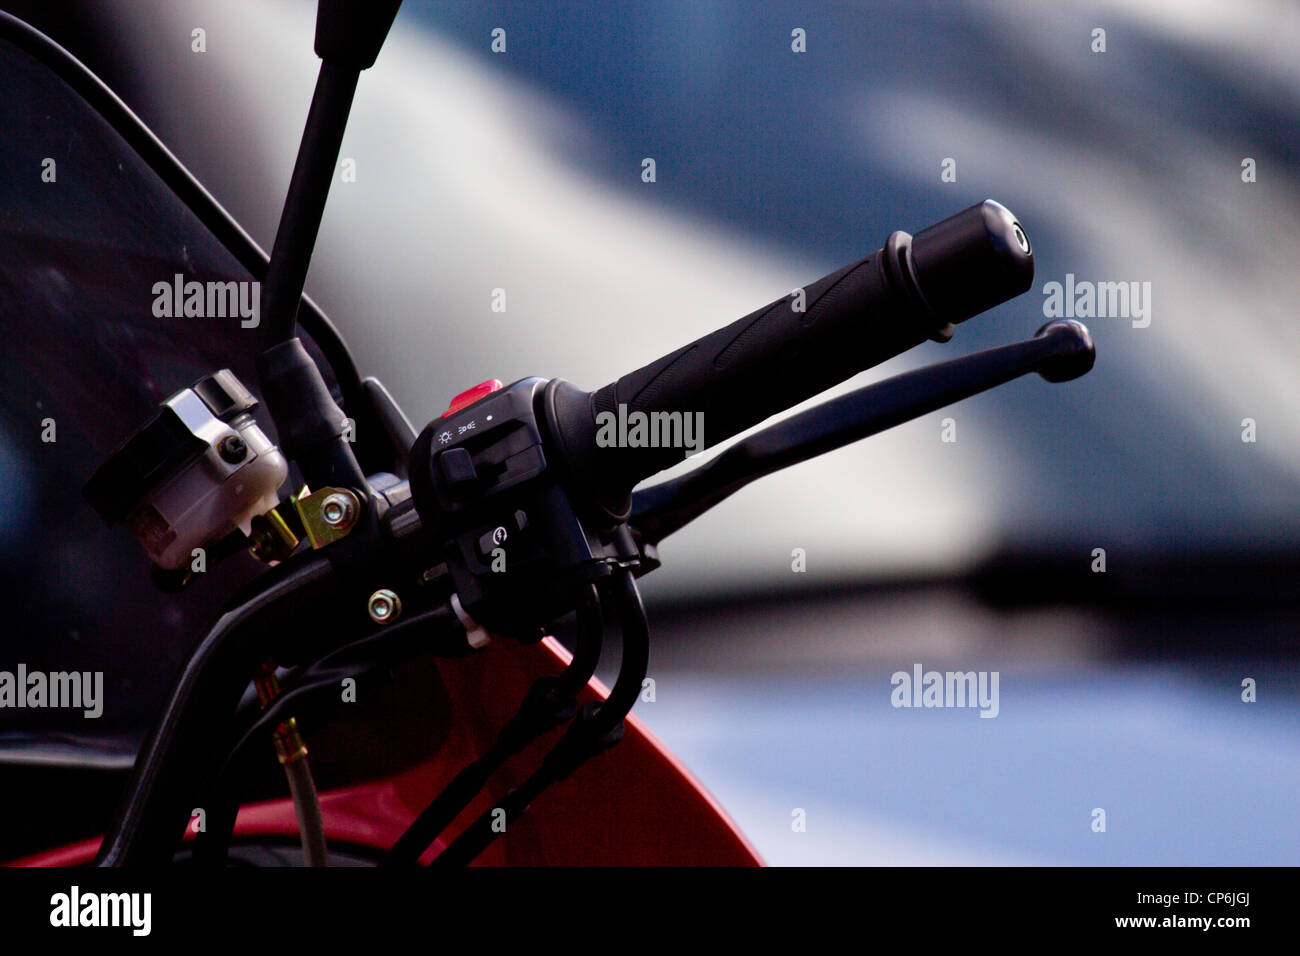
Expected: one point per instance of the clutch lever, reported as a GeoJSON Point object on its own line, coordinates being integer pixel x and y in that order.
{"type": "Point", "coordinates": [1059, 351]}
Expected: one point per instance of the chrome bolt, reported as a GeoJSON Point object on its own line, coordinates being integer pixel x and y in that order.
{"type": "Point", "coordinates": [384, 606]}
{"type": "Point", "coordinates": [337, 510]}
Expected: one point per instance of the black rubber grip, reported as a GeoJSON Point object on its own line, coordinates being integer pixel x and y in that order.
{"type": "Point", "coordinates": [802, 344]}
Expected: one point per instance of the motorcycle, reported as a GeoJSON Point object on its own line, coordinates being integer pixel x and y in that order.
{"type": "Point", "coordinates": [430, 566]}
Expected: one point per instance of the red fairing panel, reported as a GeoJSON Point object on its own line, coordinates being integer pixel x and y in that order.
{"type": "Point", "coordinates": [634, 805]}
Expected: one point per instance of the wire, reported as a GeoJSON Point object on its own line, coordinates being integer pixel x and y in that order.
{"type": "Point", "coordinates": [212, 844]}
{"type": "Point", "coordinates": [301, 696]}
{"type": "Point", "coordinates": [598, 727]}
{"type": "Point", "coordinates": [549, 702]}
{"type": "Point", "coordinates": [176, 756]}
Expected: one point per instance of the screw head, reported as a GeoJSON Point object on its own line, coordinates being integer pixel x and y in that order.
{"type": "Point", "coordinates": [337, 510]}
{"type": "Point", "coordinates": [232, 449]}
{"type": "Point", "coordinates": [384, 606]}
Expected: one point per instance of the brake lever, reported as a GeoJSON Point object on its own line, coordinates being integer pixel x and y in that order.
{"type": "Point", "coordinates": [1059, 351]}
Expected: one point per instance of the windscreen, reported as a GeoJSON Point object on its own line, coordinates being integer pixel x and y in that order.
{"type": "Point", "coordinates": [113, 295]}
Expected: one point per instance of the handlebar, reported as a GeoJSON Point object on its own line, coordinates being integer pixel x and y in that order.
{"type": "Point", "coordinates": [912, 289]}
{"type": "Point", "coordinates": [491, 483]}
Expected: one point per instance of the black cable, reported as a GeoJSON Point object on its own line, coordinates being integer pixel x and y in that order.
{"type": "Point", "coordinates": [587, 644]}
{"type": "Point", "coordinates": [399, 640]}
{"type": "Point", "coordinates": [222, 805]}
{"type": "Point", "coordinates": [598, 727]}
{"type": "Point", "coordinates": [173, 765]}
{"type": "Point", "coordinates": [302, 691]}
{"type": "Point", "coordinates": [549, 703]}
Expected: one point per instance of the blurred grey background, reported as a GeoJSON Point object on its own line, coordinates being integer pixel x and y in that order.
{"type": "Point", "coordinates": [521, 171]}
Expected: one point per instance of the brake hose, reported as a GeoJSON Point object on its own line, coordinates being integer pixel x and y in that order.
{"type": "Point", "coordinates": [597, 728]}
{"type": "Point", "coordinates": [291, 751]}
{"type": "Point", "coordinates": [306, 806]}
{"type": "Point", "coordinates": [549, 702]}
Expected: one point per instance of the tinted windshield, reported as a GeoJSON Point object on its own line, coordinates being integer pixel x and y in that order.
{"type": "Point", "coordinates": [87, 233]}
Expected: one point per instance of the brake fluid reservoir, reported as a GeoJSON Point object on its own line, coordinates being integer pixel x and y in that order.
{"type": "Point", "coordinates": [196, 471]}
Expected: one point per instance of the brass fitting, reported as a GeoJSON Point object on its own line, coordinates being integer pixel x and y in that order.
{"type": "Point", "coordinates": [272, 538]}
{"type": "Point", "coordinates": [289, 745]}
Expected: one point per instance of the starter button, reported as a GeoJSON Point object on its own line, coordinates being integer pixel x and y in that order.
{"type": "Point", "coordinates": [492, 539]}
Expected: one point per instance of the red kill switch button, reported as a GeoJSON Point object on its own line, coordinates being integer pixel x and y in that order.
{"type": "Point", "coordinates": [472, 395]}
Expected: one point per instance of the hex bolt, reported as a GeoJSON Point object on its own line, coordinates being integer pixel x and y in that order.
{"type": "Point", "coordinates": [337, 510]}
{"type": "Point", "coordinates": [384, 606]}
{"type": "Point", "coordinates": [232, 449]}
